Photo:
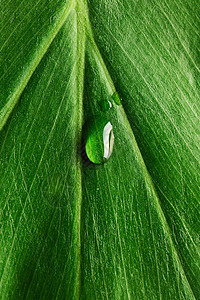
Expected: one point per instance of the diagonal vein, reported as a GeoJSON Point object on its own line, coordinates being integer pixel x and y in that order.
{"type": "Point", "coordinates": [28, 193]}
{"type": "Point", "coordinates": [147, 176]}
{"type": "Point", "coordinates": [7, 109]}
{"type": "Point", "coordinates": [151, 91]}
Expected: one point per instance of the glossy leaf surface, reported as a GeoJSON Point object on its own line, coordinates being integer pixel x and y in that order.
{"type": "Point", "coordinates": [128, 229]}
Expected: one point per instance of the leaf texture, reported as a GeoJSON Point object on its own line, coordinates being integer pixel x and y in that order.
{"type": "Point", "coordinates": [128, 229]}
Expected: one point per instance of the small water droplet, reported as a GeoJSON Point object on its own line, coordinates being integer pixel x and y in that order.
{"type": "Point", "coordinates": [105, 105]}
{"type": "Point", "coordinates": [116, 98]}
{"type": "Point", "coordinates": [99, 139]}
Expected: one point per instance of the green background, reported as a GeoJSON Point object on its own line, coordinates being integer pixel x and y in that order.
{"type": "Point", "coordinates": [128, 229]}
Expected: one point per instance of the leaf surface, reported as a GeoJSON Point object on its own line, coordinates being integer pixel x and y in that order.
{"type": "Point", "coordinates": [128, 229]}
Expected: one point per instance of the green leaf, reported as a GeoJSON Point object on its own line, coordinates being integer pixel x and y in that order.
{"type": "Point", "coordinates": [128, 229]}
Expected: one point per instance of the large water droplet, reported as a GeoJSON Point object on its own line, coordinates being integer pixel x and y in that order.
{"type": "Point", "coordinates": [99, 139]}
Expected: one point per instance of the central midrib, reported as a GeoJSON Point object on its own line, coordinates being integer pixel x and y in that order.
{"type": "Point", "coordinates": [80, 9]}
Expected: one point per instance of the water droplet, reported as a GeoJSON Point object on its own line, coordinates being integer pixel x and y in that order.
{"type": "Point", "coordinates": [105, 105]}
{"type": "Point", "coordinates": [116, 98]}
{"type": "Point", "coordinates": [99, 139]}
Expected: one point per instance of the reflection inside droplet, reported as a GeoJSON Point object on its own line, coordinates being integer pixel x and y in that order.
{"type": "Point", "coordinates": [108, 140]}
